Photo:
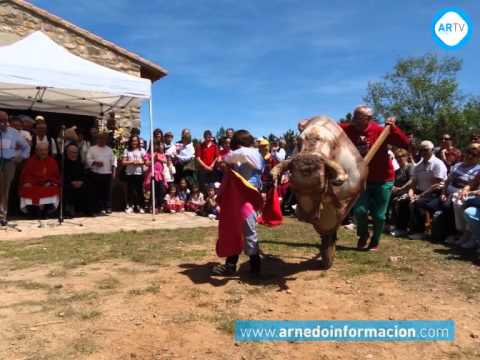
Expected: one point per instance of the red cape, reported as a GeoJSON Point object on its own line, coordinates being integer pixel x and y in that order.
{"type": "Point", "coordinates": [272, 212]}
{"type": "Point", "coordinates": [234, 193]}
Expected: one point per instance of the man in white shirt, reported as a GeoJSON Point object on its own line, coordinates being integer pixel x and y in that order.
{"type": "Point", "coordinates": [428, 176]}
{"type": "Point", "coordinates": [41, 137]}
{"type": "Point", "coordinates": [101, 162]}
{"type": "Point", "coordinates": [278, 152]}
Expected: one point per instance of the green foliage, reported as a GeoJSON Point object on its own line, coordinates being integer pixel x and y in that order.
{"type": "Point", "coordinates": [220, 133]}
{"type": "Point", "coordinates": [423, 93]}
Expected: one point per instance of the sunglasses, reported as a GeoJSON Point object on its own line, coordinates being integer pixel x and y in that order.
{"type": "Point", "coordinates": [447, 138]}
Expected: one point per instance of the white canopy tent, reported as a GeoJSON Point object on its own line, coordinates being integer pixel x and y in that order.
{"type": "Point", "coordinates": [38, 74]}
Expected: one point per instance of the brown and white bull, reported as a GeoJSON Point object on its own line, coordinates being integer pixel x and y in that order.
{"type": "Point", "coordinates": [327, 174]}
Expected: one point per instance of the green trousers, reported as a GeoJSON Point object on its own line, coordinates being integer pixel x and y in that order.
{"type": "Point", "coordinates": [374, 199]}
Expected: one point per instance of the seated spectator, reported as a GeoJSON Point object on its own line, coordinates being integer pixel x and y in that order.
{"type": "Point", "coordinates": [196, 200]}
{"type": "Point", "coordinates": [448, 153]}
{"type": "Point", "coordinates": [172, 202]}
{"type": "Point", "coordinates": [39, 184]}
{"type": "Point", "coordinates": [183, 190]}
{"type": "Point", "coordinates": [400, 201]}
{"type": "Point", "coordinates": [74, 182]}
{"type": "Point", "coordinates": [472, 219]}
{"type": "Point", "coordinates": [133, 160]}
{"type": "Point", "coordinates": [428, 176]}
{"type": "Point", "coordinates": [159, 181]}
{"type": "Point", "coordinates": [458, 183]}
{"type": "Point", "coordinates": [211, 208]}
{"type": "Point", "coordinates": [101, 162]}
{"type": "Point", "coordinates": [41, 136]}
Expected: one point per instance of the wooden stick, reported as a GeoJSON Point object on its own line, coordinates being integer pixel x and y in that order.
{"type": "Point", "coordinates": [376, 146]}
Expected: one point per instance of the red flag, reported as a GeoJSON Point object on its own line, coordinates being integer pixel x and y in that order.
{"type": "Point", "coordinates": [272, 212]}
{"type": "Point", "coordinates": [236, 195]}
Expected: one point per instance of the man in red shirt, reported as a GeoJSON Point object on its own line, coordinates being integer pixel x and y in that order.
{"type": "Point", "coordinates": [363, 132]}
{"type": "Point", "coordinates": [207, 155]}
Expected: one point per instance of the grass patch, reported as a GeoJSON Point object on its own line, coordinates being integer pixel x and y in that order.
{"type": "Point", "coordinates": [147, 247]}
{"type": "Point", "coordinates": [26, 285]}
{"type": "Point", "coordinates": [153, 288]}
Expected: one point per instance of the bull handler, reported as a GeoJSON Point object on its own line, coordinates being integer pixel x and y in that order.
{"type": "Point", "coordinates": [363, 132]}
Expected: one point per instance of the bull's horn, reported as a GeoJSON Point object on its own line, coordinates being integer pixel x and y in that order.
{"type": "Point", "coordinates": [339, 174]}
{"type": "Point", "coordinates": [280, 168]}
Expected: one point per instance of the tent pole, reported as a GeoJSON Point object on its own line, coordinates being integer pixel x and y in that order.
{"type": "Point", "coordinates": [152, 193]}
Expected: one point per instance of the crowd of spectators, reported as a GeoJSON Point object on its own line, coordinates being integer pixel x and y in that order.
{"type": "Point", "coordinates": [435, 192]}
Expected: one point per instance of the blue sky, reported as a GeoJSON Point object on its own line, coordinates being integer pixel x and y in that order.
{"type": "Point", "coordinates": [263, 65]}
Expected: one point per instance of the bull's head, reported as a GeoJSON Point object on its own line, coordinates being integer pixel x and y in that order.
{"type": "Point", "coordinates": [312, 171]}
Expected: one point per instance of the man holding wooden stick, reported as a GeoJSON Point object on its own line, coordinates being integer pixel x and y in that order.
{"type": "Point", "coordinates": [364, 132]}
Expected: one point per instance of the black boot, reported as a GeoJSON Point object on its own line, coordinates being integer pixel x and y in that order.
{"type": "Point", "coordinates": [227, 269]}
{"type": "Point", "coordinates": [255, 265]}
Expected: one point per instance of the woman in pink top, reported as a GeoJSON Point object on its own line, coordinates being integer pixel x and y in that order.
{"type": "Point", "coordinates": [158, 176]}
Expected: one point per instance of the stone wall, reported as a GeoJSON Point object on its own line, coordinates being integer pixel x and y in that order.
{"type": "Point", "coordinates": [17, 22]}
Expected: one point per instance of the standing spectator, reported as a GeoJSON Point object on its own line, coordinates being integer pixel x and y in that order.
{"type": "Point", "coordinates": [185, 158]}
{"type": "Point", "coordinates": [224, 147]}
{"type": "Point", "coordinates": [133, 160]}
{"type": "Point", "coordinates": [156, 180]}
{"type": "Point", "coordinates": [142, 144]}
{"type": "Point", "coordinates": [364, 131]}
{"type": "Point", "coordinates": [158, 136]}
{"type": "Point", "coordinates": [400, 201]}
{"type": "Point", "coordinates": [475, 138]}
{"type": "Point", "coordinates": [90, 140]}
{"type": "Point", "coordinates": [27, 126]}
{"type": "Point", "coordinates": [229, 133]}
{"type": "Point", "coordinates": [10, 142]}
{"type": "Point", "coordinates": [428, 176]}
{"type": "Point", "coordinates": [101, 162]}
{"type": "Point", "coordinates": [278, 151]}
{"type": "Point", "coordinates": [207, 155]}
{"type": "Point", "coordinates": [448, 153]}
{"type": "Point", "coordinates": [17, 122]}
{"type": "Point", "coordinates": [74, 182]}
{"type": "Point", "coordinates": [42, 137]}
{"type": "Point", "coordinates": [169, 172]}
{"type": "Point", "coordinates": [168, 143]}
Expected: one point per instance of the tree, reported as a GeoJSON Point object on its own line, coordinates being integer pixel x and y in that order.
{"type": "Point", "coordinates": [220, 133]}
{"type": "Point", "coordinates": [290, 139]}
{"type": "Point", "coordinates": [420, 91]}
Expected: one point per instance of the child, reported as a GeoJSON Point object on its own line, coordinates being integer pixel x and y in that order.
{"type": "Point", "coordinates": [196, 200]}
{"type": "Point", "coordinates": [249, 163]}
{"type": "Point", "coordinates": [169, 171]}
{"type": "Point", "coordinates": [211, 208]}
{"type": "Point", "coordinates": [158, 178]}
{"type": "Point", "coordinates": [183, 190]}
{"type": "Point", "coordinates": [173, 203]}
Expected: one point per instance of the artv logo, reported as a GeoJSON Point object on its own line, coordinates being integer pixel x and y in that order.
{"type": "Point", "coordinates": [452, 28]}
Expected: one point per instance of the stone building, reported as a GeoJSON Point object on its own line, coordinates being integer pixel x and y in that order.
{"type": "Point", "coordinates": [20, 18]}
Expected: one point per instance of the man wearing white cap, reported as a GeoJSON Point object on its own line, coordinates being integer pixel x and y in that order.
{"type": "Point", "coordinates": [428, 176]}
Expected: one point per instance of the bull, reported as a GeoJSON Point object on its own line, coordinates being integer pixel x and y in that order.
{"type": "Point", "coordinates": [326, 174]}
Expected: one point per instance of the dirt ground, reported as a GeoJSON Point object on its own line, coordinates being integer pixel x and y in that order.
{"type": "Point", "coordinates": [149, 296]}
